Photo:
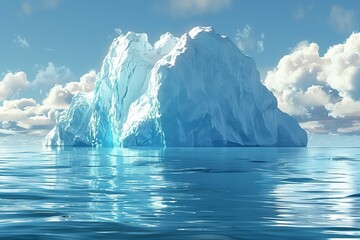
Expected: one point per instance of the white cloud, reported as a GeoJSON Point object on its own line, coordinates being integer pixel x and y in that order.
{"type": "Point", "coordinates": [247, 40]}
{"type": "Point", "coordinates": [16, 84]}
{"type": "Point", "coordinates": [52, 75]}
{"type": "Point", "coordinates": [323, 92]}
{"type": "Point", "coordinates": [25, 116]}
{"type": "Point", "coordinates": [30, 117]}
{"type": "Point", "coordinates": [118, 31]}
{"type": "Point", "coordinates": [347, 107]}
{"type": "Point", "coordinates": [314, 127]}
{"type": "Point", "coordinates": [36, 122]}
{"type": "Point", "coordinates": [21, 104]}
{"type": "Point", "coordinates": [12, 84]}
{"type": "Point", "coordinates": [60, 97]}
{"type": "Point", "coordinates": [86, 84]}
{"type": "Point", "coordinates": [342, 19]}
{"type": "Point", "coordinates": [6, 132]}
{"type": "Point", "coordinates": [197, 7]}
{"type": "Point", "coordinates": [21, 42]}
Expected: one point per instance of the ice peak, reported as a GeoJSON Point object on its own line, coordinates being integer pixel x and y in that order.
{"type": "Point", "coordinates": [136, 37]}
{"type": "Point", "coordinates": [165, 44]}
{"type": "Point", "coordinates": [199, 90]}
{"type": "Point", "coordinates": [197, 30]}
{"type": "Point", "coordinates": [129, 41]}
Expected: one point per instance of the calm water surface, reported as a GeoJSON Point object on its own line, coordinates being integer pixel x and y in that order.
{"type": "Point", "coordinates": [179, 193]}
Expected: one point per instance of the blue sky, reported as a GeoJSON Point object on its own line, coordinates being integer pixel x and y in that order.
{"type": "Point", "coordinates": [59, 41]}
{"type": "Point", "coordinates": [77, 33]}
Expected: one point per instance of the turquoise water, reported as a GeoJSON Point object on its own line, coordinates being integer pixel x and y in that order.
{"type": "Point", "coordinates": [179, 193]}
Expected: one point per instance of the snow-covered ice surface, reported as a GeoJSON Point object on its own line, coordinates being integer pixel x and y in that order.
{"type": "Point", "coordinates": [197, 90]}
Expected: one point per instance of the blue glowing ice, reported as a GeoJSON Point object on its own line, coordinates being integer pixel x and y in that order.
{"type": "Point", "coordinates": [197, 90]}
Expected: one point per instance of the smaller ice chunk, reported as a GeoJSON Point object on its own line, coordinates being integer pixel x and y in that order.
{"type": "Point", "coordinates": [72, 126]}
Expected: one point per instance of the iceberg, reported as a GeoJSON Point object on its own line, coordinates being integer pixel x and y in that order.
{"type": "Point", "coordinates": [196, 90]}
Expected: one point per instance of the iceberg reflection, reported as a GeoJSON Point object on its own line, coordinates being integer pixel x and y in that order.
{"type": "Point", "coordinates": [263, 193]}
{"type": "Point", "coordinates": [124, 185]}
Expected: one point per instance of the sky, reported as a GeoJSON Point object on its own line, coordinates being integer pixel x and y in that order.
{"type": "Point", "coordinates": [307, 52]}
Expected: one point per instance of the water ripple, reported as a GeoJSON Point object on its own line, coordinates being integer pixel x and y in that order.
{"type": "Point", "coordinates": [174, 193]}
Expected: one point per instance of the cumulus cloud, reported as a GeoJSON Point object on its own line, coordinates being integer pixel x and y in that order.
{"type": "Point", "coordinates": [12, 84]}
{"type": "Point", "coordinates": [322, 92]}
{"type": "Point", "coordinates": [347, 107]}
{"type": "Point", "coordinates": [19, 109]}
{"type": "Point", "coordinates": [23, 115]}
{"type": "Point", "coordinates": [21, 104]}
{"type": "Point", "coordinates": [36, 123]}
{"type": "Point", "coordinates": [197, 7]}
{"type": "Point", "coordinates": [60, 97]}
{"type": "Point", "coordinates": [51, 75]}
{"type": "Point", "coordinates": [342, 19]}
{"type": "Point", "coordinates": [16, 85]}
{"type": "Point", "coordinates": [86, 84]}
{"type": "Point", "coordinates": [247, 40]}
{"type": "Point", "coordinates": [29, 116]}
{"type": "Point", "coordinates": [21, 42]}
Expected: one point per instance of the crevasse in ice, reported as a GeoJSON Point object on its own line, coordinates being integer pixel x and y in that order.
{"type": "Point", "coordinates": [197, 90]}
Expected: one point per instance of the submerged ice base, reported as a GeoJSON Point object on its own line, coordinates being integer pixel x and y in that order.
{"type": "Point", "coordinates": [197, 90]}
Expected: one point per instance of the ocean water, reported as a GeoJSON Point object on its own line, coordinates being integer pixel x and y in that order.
{"type": "Point", "coordinates": [179, 193]}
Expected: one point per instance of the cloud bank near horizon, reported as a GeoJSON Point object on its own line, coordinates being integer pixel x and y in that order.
{"type": "Point", "coordinates": [20, 113]}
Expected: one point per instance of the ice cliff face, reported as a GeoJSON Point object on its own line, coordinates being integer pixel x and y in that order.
{"type": "Point", "coordinates": [197, 90]}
